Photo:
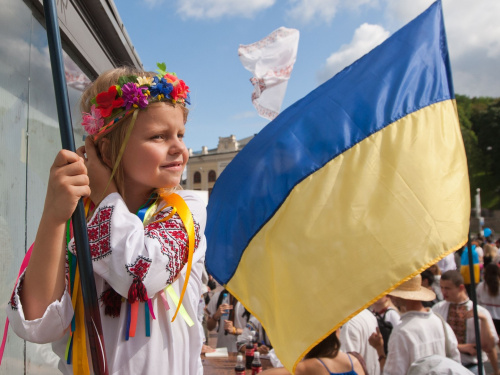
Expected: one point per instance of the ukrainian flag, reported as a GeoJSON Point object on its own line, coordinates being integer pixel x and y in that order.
{"type": "Point", "coordinates": [352, 190]}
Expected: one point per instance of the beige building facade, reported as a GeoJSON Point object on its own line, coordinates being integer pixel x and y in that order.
{"type": "Point", "coordinates": [203, 168]}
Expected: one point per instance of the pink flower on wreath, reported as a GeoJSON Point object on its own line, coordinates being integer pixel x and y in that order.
{"type": "Point", "coordinates": [92, 121]}
{"type": "Point", "coordinates": [134, 96]}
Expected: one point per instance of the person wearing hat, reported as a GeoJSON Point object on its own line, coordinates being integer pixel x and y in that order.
{"type": "Point", "coordinates": [421, 333]}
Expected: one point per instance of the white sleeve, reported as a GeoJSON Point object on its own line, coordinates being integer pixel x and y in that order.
{"type": "Point", "coordinates": [252, 325]}
{"type": "Point", "coordinates": [393, 317]}
{"type": "Point", "coordinates": [491, 325]}
{"type": "Point", "coordinates": [441, 308]}
{"type": "Point", "coordinates": [124, 251]}
{"type": "Point", "coordinates": [50, 327]}
{"type": "Point", "coordinates": [479, 292]}
{"type": "Point", "coordinates": [239, 320]}
{"type": "Point", "coordinates": [349, 337]}
{"type": "Point", "coordinates": [397, 361]}
{"type": "Point", "coordinates": [212, 304]}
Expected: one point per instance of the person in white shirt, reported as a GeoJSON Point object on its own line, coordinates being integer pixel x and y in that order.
{"type": "Point", "coordinates": [384, 306]}
{"type": "Point", "coordinates": [447, 263]}
{"type": "Point", "coordinates": [421, 333]}
{"type": "Point", "coordinates": [354, 338]}
{"type": "Point", "coordinates": [456, 309]}
{"type": "Point", "coordinates": [228, 329]}
{"type": "Point", "coordinates": [488, 293]}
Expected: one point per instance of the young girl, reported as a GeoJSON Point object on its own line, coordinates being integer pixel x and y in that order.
{"type": "Point", "coordinates": [326, 358]}
{"type": "Point", "coordinates": [140, 235]}
{"type": "Point", "coordinates": [488, 293]}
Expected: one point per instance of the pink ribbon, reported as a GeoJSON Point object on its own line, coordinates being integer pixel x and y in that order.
{"type": "Point", "coordinates": [24, 264]}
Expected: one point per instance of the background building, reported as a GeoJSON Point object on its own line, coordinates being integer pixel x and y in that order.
{"type": "Point", "coordinates": [94, 40]}
{"type": "Point", "coordinates": [203, 168]}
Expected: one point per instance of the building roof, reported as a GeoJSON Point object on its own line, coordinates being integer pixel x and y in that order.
{"type": "Point", "coordinates": [93, 34]}
{"type": "Point", "coordinates": [237, 146]}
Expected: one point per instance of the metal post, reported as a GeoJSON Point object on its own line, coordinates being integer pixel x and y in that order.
{"type": "Point", "coordinates": [474, 306]}
{"type": "Point", "coordinates": [478, 211]}
{"type": "Point", "coordinates": [89, 293]}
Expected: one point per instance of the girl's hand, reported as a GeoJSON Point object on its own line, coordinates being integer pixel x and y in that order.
{"type": "Point", "coordinates": [99, 173]}
{"type": "Point", "coordinates": [223, 308]}
{"type": "Point", "coordinates": [68, 182]}
{"type": "Point", "coordinates": [377, 341]}
{"type": "Point", "coordinates": [228, 326]}
{"type": "Point", "coordinates": [263, 350]}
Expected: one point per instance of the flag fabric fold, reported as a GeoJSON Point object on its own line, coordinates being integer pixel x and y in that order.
{"type": "Point", "coordinates": [349, 192]}
{"type": "Point", "coordinates": [270, 61]}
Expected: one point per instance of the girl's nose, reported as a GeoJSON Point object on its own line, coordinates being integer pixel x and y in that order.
{"type": "Point", "coordinates": [177, 147]}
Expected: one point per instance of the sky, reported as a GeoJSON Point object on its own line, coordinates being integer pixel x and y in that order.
{"type": "Point", "coordinates": [199, 40]}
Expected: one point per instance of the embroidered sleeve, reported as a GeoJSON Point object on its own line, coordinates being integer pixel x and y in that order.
{"type": "Point", "coordinates": [135, 260]}
{"type": "Point", "coordinates": [50, 327]}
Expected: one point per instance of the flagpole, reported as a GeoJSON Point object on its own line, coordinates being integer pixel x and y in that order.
{"type": "Point", "coordinates": [89, 293]}
{"type": "Point", "coordinates": [474, 305]}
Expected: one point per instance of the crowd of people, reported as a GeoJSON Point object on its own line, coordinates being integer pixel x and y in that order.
{"type": "Point", "coordinates": [424, 326]}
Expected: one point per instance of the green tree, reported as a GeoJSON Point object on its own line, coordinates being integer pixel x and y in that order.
{"type": "Point", "coordinates": [485, 119]}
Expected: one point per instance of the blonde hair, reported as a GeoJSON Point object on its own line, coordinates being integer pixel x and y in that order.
{"type": "Point", "coordinates": [116, 137]}
{"type": "Point", "coordinates": [435, 270]}
{"type": "Point", "coordinates": [490, 250]}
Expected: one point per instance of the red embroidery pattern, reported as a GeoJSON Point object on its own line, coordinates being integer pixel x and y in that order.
{"type": "Point", "coordinates": [140, 268]}
{"type": "Point", "coordinates": [268, 40]}
{"type": "Point", "coordinates": [99, 230]}
{"type": "Point", "coordinates": [174, 241]}
{"type": "Point", "coordinates": [13, 299]}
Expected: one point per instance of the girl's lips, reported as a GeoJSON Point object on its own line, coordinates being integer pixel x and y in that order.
{"type": "Point", "coordinates": [172, 165]}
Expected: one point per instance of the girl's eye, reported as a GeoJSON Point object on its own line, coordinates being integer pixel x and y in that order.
{"type": "Point", "coordinates": [180, 136]}
{"type": "Point", "coordinates": [158, 136]}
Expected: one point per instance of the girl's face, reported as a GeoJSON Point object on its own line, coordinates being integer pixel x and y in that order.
{"type": "Point", "coordinates": [155, 155]}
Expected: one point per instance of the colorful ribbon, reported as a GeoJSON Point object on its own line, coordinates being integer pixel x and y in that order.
{"type": "Point", "coordinates": [175, 201]}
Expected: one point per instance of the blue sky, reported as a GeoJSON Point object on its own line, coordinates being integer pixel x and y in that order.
{"type": "Point", "coordinates": [199, 40]}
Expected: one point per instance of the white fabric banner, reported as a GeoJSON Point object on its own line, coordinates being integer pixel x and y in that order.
{"type": "Point", "coordinates": [271, 61]}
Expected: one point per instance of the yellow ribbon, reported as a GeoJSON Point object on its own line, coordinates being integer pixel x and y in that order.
{"type": "Point", "coordinates": [177, 203]}
{"type": "Point", "coordinates": [175, 299]}
{"type": "Point", "coordinates": [80, 361]}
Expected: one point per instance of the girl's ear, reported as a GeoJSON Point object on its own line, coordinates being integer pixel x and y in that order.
{"type": "Point", "coordinates": [104, 147]}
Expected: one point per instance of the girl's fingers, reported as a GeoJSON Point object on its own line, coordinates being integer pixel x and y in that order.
{"type": "Point", "coordinates": [78, 180]}
{"type": "Point", "coordinates": [90, 149]}
{"type": "Point", "coordinates": [64, 157]}
{"type": "Point", "coordinates": [81, 191]}
{"type": "Point", "coordinates": [80, 151]}
{"type": "Point", "coordinates": [73, 169]}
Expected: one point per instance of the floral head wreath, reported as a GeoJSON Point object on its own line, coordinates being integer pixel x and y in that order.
{"type": "Point", "coordinates": [129, 94]}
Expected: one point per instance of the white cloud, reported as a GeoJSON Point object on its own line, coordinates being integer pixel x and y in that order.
{"type": "Point", "coordinates": [365, 38]}
{"type": "Point", "coordinates": [473, 33]}
{"type": "Point", "coordinates": [398, 12]}
{"type": "Point", "coordinates": [306, 11]}
{"type": "Point", "coordinates": [200, 9]}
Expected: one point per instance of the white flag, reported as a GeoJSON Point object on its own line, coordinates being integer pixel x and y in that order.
{"type": "Point", "coordinates": [271, 62]}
